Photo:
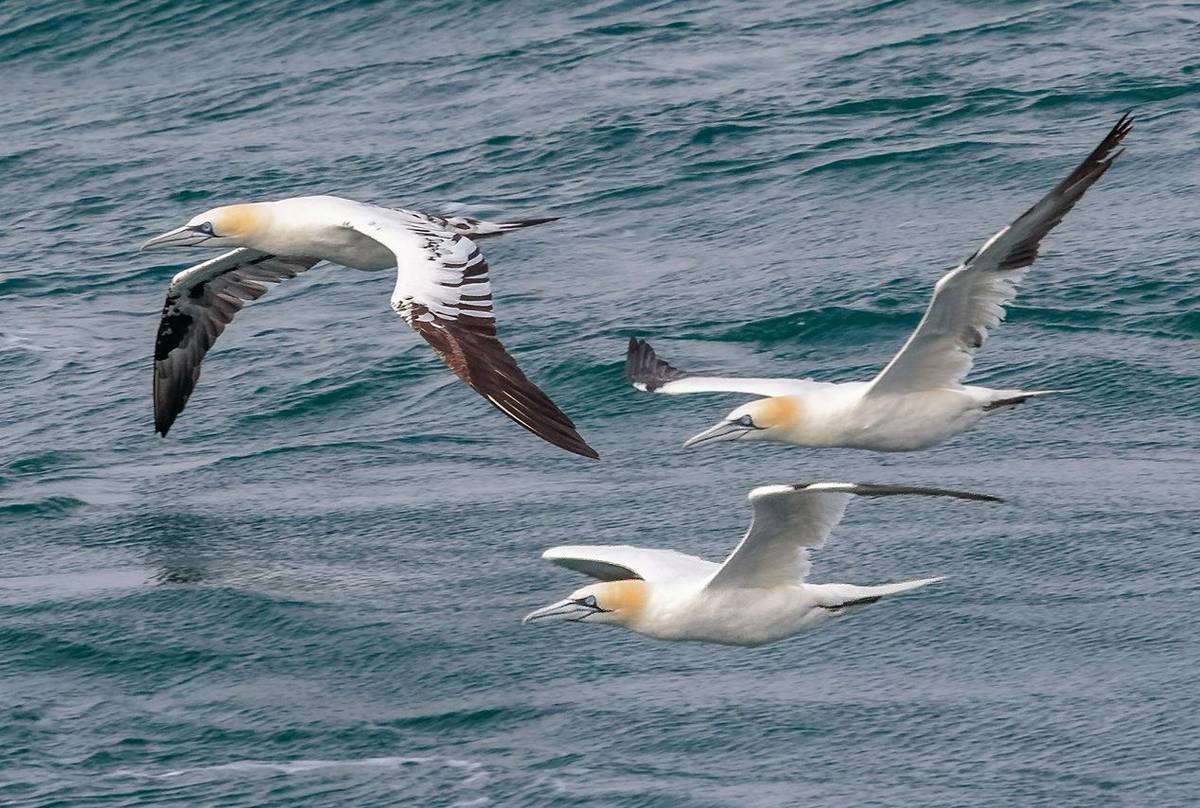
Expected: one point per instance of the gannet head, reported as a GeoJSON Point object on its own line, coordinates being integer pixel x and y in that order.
{"type": "Point", "coordinates": [616, 603]}
{"type": "Point", "coordinates": [764, 419]}
{"type": "Point", "coordinates": [227, 226]}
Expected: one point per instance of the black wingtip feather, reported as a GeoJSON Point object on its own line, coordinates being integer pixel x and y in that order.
{"type": "Point", "coordinates": [879, 490]}
{"type": "Point", "coordinates": [1102, 156]}
{"type": "Point", "coordinates": [645, 370]}
{"type": "Point", "coordinates": [1050, 210]}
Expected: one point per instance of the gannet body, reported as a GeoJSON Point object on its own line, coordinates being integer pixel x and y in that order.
{"type": "Point", "coordinates": [918, 400]}
{"type": "Point", "coordinates": [442, 290]}
{"type": "Point", "coordinates": [757, 596]}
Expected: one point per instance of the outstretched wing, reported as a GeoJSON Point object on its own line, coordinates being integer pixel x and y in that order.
{"type": "Point", "coordinates": [647, 372]}
{"type": "Point", "coordinates": [621, 562]}
{"type": "Point", "coordinates": [970, 299]}
{"type": "Point", "coordinates": [443, 291]}
{"type": "Point", "coordinates": [789, 520]}
{"type": "Point", "coordinates": [201, 301]}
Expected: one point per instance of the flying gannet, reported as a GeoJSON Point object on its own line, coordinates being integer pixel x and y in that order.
{"type": "Point", "coordinates": [757, 596]}
{"type": "Point", "coordinates": [919, 399]}
{"type": "Point", "coordinates": [442, 290]}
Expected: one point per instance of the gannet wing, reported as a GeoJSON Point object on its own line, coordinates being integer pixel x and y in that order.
{"type": "Point", "coordinates": [201, 301]}
{"type": "Point", "coordinates": [789, 520]}
{"type": "Point", "coordinates": [970, 299]}
{"type": "Point", "coordinates": [647, 372]}
{"type": "Point", "coordinates": [443, 292]}
{"type": "Point", "coordinates": [620, 562]}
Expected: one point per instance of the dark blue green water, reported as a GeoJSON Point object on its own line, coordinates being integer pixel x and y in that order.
{"type": "Point", "coordinates": [311, 593]}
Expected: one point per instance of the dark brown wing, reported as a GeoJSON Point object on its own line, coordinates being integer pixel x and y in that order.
{"type": "Point", "coordinates": [476, 356]}
{"type": "Point", "coordinates": [201, 301]}
{"type": "Point", "coordinates": [446, 296]}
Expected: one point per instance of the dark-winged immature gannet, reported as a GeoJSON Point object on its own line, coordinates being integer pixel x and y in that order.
{"type": "Point", "coordinates": [919, 399]}
{"type": "Point", "coordinates": [442, 291]}
{"type": "Point", "coordinates": [758, 596]}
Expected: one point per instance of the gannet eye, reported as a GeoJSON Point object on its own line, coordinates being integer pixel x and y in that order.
{"type": "Point", "coordinates": [745, 420]}
{"type": "Point", "coordinates": [589, 601]}
{"type": "Point", "coordinates": [205, 228]}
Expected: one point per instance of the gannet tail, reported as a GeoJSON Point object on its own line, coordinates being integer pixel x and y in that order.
{"type": "Point", "coordinates": [477, 228]}
{"type": "Point", "coordinates": [903, 586]}
{"type": "Point", "coordinates": [836, 597]}
{"type": "Point", "coordinates": [1011, 398]}
{"type": "Point", "coordinates": [517, 224]}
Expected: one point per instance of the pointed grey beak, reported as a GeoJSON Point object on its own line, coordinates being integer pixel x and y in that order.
{"type": "Point", "coordinates": [563, 610]}
{"type": "Point", "coordinates": [179, 237]}
{"type": "Point", "coordinates": [726, 430]}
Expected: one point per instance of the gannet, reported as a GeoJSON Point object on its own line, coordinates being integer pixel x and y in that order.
{"type": "Point", "coordinates": [757, 596]}
{"type": "Point", "coordinates": [442, 290]}
{"type": "Point", "coordinates": [919, 399]}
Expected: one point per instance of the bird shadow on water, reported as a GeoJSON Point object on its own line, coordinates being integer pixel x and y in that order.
{"type": "Point", "coordinates": [179, 548]}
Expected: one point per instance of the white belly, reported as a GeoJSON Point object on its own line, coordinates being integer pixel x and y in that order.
{"type": "Point", "coordinates": [312, 227]}
{"type": "Point", "coordinates": [746, 617]}
{"type": "Point", "coordinates": [909, 422]}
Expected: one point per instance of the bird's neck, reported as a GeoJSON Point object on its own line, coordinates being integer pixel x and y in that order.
{"type": "Point", "coordinates": [254, 225]}
{"type": "Point", "coordinates": [815, 420]}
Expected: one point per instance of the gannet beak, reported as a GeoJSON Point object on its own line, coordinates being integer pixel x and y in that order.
{"type": "Point", "coordinates": [567, 609]}
{"type": "Point", "coordinates": [179, 237]}
{"type": "Point", "coordinates": [726, 430]}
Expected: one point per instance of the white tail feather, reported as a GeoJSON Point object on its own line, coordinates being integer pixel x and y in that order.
{"type": "Point", "coordinates": [838, 596]}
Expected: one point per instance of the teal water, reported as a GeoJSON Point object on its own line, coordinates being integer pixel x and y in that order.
{"type": "Point", "coordinates": [311, 593]}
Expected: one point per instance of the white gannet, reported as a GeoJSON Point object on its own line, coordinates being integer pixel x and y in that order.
{"type": "Point", "coordinates": [919, 399]}
{"type": "Point", "coordinates": [442, 291]}
{"type": "Point", "coordinates": [757, 596]}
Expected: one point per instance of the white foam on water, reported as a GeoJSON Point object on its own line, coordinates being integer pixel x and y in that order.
{"type": "Point", "coordinates": [56, 586]}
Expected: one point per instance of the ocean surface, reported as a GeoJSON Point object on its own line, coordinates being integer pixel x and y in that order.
{"type": "Point", "coordinates": [310, 594]}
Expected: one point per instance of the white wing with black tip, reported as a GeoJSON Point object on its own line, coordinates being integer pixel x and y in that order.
{"type": "Point", "coordinates": [444, 292]}
{"type": "Point", "coordinates": [970, 299]}
{"type": "Point", "coordinates": [620, 562]}
{"type": "Point", "coordinates": [647, 372]}
{"type": "Point", "coordinates": [201, 301]}
{"type": "Point", "coordinates": [790, 520]}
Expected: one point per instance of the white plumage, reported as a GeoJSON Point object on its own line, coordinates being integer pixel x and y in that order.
{"type": "Point", "coordinates": [443, 290]}
{"type": "Point", "coordinates": [918, 399]}
{"type": "Point", "coordinates": [758, 595]}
